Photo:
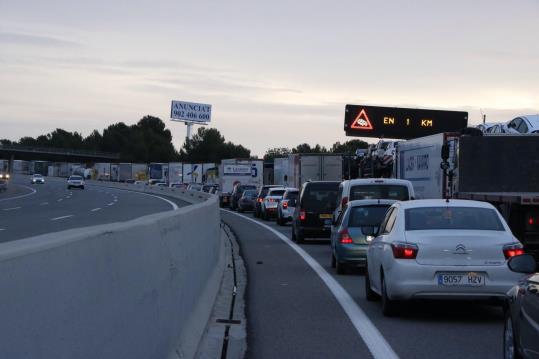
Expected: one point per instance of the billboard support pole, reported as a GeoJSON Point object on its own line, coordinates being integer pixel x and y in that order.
{"type": "Point", "coordinates": [189, 128]}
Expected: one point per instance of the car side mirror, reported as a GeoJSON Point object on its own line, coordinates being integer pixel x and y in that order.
{"type": "Point", "coordinates": [371, 231]}
{"type": "Point", "coordinates": [524, 263]}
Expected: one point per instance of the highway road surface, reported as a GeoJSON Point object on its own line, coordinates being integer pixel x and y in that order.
{"type": "Point", "coordinates": [297, 307]}
{"type": "Point", "coordinates": [27, 210]}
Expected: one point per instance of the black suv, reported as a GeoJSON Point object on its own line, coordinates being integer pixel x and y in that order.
{"type": "Point", "coordinates": [260, 198]}
{"type": "Point", "coordinates": [314, 210]}
{"type": "Point", "coordinates": [237, 192]}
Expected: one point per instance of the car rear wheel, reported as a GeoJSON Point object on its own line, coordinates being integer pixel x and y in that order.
{"type": "Point", "coordinates": [509, 348]}
{"type": "Point", "coordinates": [389, 307]}
{"type": "Point", "coordinates": [333, 260]}
{"type": "Point", "coordinates": [280, 220]}
{"type": "Point", "coordinates": [369, 293]}
{"type": "Point", "coordinates": [82, 187]}
{"type": "Point", "coordinates": [340, 267]}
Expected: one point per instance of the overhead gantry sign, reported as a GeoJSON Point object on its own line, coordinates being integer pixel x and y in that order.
{"type": "Point", "coordinates": [400, 123]}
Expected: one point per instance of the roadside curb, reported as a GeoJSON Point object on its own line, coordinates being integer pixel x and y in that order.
{"type": "Point", "coordinates": [226, 332]}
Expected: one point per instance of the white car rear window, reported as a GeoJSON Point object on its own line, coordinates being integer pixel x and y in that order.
{"type": "Point", "coordinates": [429, 218]}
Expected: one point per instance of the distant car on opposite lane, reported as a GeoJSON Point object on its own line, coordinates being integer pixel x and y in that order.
{"type": "Point", "coordinates": [37, 178]}
{"type": "Point", "coordinates": [75, 182]}
{"type": "Point", "coordinates": [438, 249]}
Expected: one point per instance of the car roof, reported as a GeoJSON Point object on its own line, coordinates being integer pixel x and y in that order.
{"type": "Point", "coordinates": [370, 202]}
{"type": "Point", "coordinates": [533, 120]}
{"type": "Point", "coordinates": [419, 203]}
{"type": "Point", "coordinates": [292, 189]}
{"type": "Point", "coordinates": [388, 181]}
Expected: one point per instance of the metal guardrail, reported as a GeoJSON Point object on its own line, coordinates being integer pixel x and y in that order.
{"type": "Point", "coordinates": [59, 151]}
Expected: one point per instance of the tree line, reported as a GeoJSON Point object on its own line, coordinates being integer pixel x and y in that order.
{"type": "Point", "coordinates": [149, 141]}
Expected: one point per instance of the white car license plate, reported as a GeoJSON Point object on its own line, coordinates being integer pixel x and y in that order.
{"type": "Point", "coordinates": [466, 279]}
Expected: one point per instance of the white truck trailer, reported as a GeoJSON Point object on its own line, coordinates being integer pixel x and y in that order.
{"type": "Point", "coordinates": [234, 171]}
{"type": "Point", "coordinates": [313, 167]}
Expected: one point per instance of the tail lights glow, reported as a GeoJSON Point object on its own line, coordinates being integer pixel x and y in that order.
{"type": "Point", "coordinates": [531, 221]}
{"type": "Point", "coordinates": [344, 237]}
{"type": "Point", "coordinates": [402, 250]}
{"type": "Point", "coordinates": [513, 249]}
{"type": "Point", "coordinates": [302, 215]}
{"type": "Point", "coordinates": [259, 200]}
{"type": "Point", "coordinates": [285, 204]}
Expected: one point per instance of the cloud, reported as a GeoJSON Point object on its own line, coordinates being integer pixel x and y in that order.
{"type": "Point", "coordinates": [36, 40]}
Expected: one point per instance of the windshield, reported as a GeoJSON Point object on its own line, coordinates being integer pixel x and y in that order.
{"type": "Point", "coordinates": [379, 191]}
{"type": "Point", "coordinates": [75, 178]}
{"type": "Point", "coordinates": [367, 216]}
{"type": "Point", "coordinates": [249, 193]}
{"type": "Point", "coordinates": [276, 193]}
{"type": "Point", "coordinates": [428, 218]}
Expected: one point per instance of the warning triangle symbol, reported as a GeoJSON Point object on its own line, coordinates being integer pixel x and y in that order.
{"type": "Point", "coordinates": [362, 121]}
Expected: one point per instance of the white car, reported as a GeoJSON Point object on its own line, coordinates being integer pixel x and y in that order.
{"type": "Point", "coordinates": [75, 181]}
{"type": "Point", "coordinates": [373, 188]}
{"type": "Point", "coordinates": [524, 124]}
{"type": "Point", "coordinates": [287, 206]}
{"type": "Point", "coordinates": [37, 178]}
{"type": "Point", "coordinates": [434, 249]}
{"type": "Point", "coordinates": [271, 201]}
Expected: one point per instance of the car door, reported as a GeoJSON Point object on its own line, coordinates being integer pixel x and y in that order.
{"type": "Point", "coordinates": [336, 227]}
{"type": "Point", "coordinates": [529, 318]}
{"type": "Point", "coordinates": [375, 251]}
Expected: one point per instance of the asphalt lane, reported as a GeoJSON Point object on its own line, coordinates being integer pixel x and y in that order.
{"type": "Point", "coordinates": [54, 208]}
{"type": "Point", "coordinates": [290, 312]}
{"type": "Point", "coordinates": [427, 329]}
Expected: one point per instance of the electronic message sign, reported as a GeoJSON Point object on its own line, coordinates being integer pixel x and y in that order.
{"type": "Point", "coordinates": [401, 123]}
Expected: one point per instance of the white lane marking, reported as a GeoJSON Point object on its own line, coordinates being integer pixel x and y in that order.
{"type": "Point", "coordinates": [62, 217]}
{"type": "Point", "coordinates": [2, 229]}
{"type": "Point", "coordinates": [110, 204]}
{"type": "Point", "coordinates": [375, 341]}
{"type": "Point", "coordinates": [95, 209]}
{"type": "Point", "coordinates": [174, 205]}
{"type": "Point", "coordinates": [21, 196]}
{"type": "Point", "coordinates": [44, 203]}
{"type": "Point", "coordinates": [60, 199]}
{"type": "Point", "coordinates": [11, 209]}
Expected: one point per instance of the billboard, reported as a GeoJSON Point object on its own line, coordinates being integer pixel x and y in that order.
{"type": "Point", "coordinates": [401, 123]}
{"type": "Point", "coordinates": [190, 112]}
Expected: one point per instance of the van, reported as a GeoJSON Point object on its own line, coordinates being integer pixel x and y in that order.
{"type": "Point", "coordinates": [312, 216]}
{"type": "Point", "coordinates": [373, 188]}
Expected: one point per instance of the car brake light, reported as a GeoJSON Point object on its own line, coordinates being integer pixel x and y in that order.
{"type": "Point", "coordinates": [531, 221]}
{"type": "Point", "coordinates": [344, 237]}
{"type": "Point", "coordinates": [285, 204]}
{"type": "Point", "coordinates": [301, 215]}
{"type": "Point", "coordinates": [403, 250]}
{"type": "Point", "coordinates": [512, 250]}
{"type": "Point", "coordinates": [344, 201]}
{"type": "Point", "coordinates": [260, 200]}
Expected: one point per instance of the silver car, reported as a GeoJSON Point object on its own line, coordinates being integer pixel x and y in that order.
{"type": "Point", "coordinates": [285, 208]}
{"type": "Point", "coordinates": [37, 178]}
{"type": "Point", "coordinates": [75, 181]}
{"type": "Point", "coordinates": [433, 249]}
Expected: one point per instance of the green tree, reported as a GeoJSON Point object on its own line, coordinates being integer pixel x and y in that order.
{"type": "Point", "coordinates": [348, 147]}
{"type": "Point", "coordinates": [208, 145]}
{"type": "Point", "coordinates": [276, 152]}
{"type": "Point", "coordinates": [306, 148]}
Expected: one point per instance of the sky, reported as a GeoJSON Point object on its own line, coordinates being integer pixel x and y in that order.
{"type": "Point", "coordinates": [277, 73]}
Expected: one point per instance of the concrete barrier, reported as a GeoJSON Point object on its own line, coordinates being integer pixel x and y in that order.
{"type": "Point", "coordinates": [138, 289]}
